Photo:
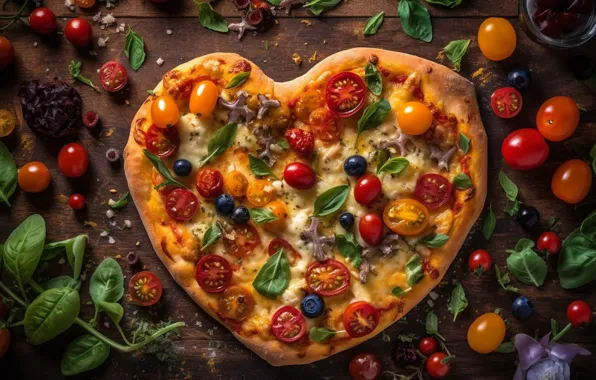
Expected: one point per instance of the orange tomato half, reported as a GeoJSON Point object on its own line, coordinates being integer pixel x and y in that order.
{"type": "Point", "coordinates": [280, 210]}
{"type": "Point", "coordinates": [260, 192]}
{"type": "Point", "coordinates": [572, 181]}
{"type": "Point", "coordinates": [406, 216]}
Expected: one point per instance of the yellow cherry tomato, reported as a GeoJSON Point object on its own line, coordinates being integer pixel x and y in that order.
{"type": "Point", "coordinates": [572, 181]}
{"type": "Point", "coordinates": [414, 118]}
{"type": "Point", "coordinates": [280, 210]}
{"type": "Point", "coordinates": [203, 98]}
{"type": "Point", "coordinates": [34, 177]}
{"type": "Point", "coordinates": [7, 122]}
{"type": "Point", "coordinates": [164, 111]}
{"type": "Point", "coordinates": [486, 333]}
{"type": "Point", "coordinates": [260, 192]}
{"type": "Point", "coordinates": [406, 216]}
{"type": "Point", "coordinates": [236, 183]}
{"type": "Point", "coordinates": [496, 38]}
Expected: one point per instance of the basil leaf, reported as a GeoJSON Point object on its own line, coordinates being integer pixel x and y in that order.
{"type": "Point", "coordinates": [274, 277]}
{"type": "Point", "coordinates": [62, 282]}
{"type": "Point", "coordinates": [163, 170]}
{"type": "Point", "coordinates": [373, 24]}
{"type": "Point", "coordinates": [8, 174]}
{"type": "Point", "coordinates": [262, 215]}
{"type": "Point", "coordinates": [510, 188]}
{"type": "Point", "coordinates": [123, 201]}
{"type": "Point", "coordinates": [455, 51]}
{"type": "Point", "coordinates": [349, 248]}
{"type": "Point", "coordinates": [395, 165]}
{"type": "Point", "coordinates": [83, 354]}
{"type": "Point", "coordinates": [504, 281]}
{"type": "Point", "coordinates": [259, 167]}
{"type": "Point", "coordinates": [211, 236]}
{"type": "Point", "coordinates": [75, 70]}
{"type": "Point", "coordinates": [413, 269]}
{"type": "Point", "coordinates": [382, 157]}
{"type": "Point", "coordinates": [506, 348]}
{"type": "Point", "coordinates": [134, 49]}
{"type": "Point", "coordinates": [50, 314]}
{"type": "Point", "coordinates": [23, 248]}
{"type": "Point", "coordinates": [462, 181]}
{"type": "Point", "coordinates": [489, 223]}
{"type": "Point", "coordinates": [445, 3]}
{"type": "Point", "coordinates": [321, 334]}
{"type": "Point", "coordinates": [526, 265]}
{"type": "Point", "coordinates": [107, 283]}
{"type": "Point", "coordinates": [415, 20]}
{"type": "Point", "coordinates": [577, 260]}
{"type": "Point", "coordinates": [464, 143]}
{"type": "Point", "coordinates": [220, 142]}
{"type": "Point", "coordinates": [374, 80]}
{"type": "Point", "coordinates": [210, 19]}
{"type": "Point", "coordinates": [398, 291]}
{"type": "Point", "coordinates": [432, 325]}
{"type": "Point", "coordinates": [238, 80]}
{"type": "Point", "coordinates": [75, 253]}
{"type": "Point", "coordinates": [319, 6]}
{"type": "Point", "coordinates": [513, 208]}
{"type": "Point", "coordinates": [331, 200]}
{"type": "Point", "coordinates": [283, 144]}
{"type": "Point", "coordinates": [458, 301]}
{"type": "Point", "coordinates": [373, 115]}
{"type": "Point", "coordinates": [434, 241]}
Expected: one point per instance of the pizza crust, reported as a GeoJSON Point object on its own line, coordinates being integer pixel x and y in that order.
{"type": "Point", "coordinates": [453, 92]}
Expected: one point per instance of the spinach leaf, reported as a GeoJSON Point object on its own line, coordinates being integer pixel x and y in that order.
{"type": "Point", "coordinates": [382, 157]}
{"type": "Point", "coordinates": [415, 20]}
{"type": "Point", "coordinates": [488, 227]}
{"type": "Point", "coordinates": [432, 325]}
{"type": "Point", "coordinates": [75, 70]}
{"type": "Point", "coordinates": [349, 248]}
{"type": "Point", "coordinates": [434, 240]}
{"type": "Point", "coordinates": [8, 174]}
{"type": "Point", "coordinates": [62, 282]}
{"type": "Point", "coordinates": [373, 24]}
{"type": "Point", "coordinates": [462, 181]}
{"type": "Point", "coordinates": [262, 215]}
{"type": "Point", "coordinates": [50, 314]}
{"type": "Point", "coordinates": [331, 200]}
{"type": "Point", "coordinates": [588, 227]}
{"type": "Point", "coordinates": [374, 80]}
{"type": "Point", "coordinates": [75, 253]}
{"type": "Point", "coordinates": [259, 167]}
{"type": "Point", "coordinates": [464, 143]}
{"type": "Point", "coordinates": [220, 142]}
{"type": "Point", "coordinates": [238, 80]}
{"type": "Point", "coordinates": [113, 310]}
{"type": "Point", "coordinates": [321, 334]}
{"type": "Point", "coordinates": [163, 170]}
{"type": "Point", "coordinates": [395, 165]}
{"type": "Point", "coordinates": [211, 236]}
{"type": "Point", "coordinates": [274, 277]}
{"type": "Point", "coordinates": [319, 6]}
{"type": "Point", "coordinates": [445, 3]}
{"type": "Point", "coordinates": [123, 201]}
{"type": "Point", "coordinates": [373, 115]}
{"type": "Point", "coordinates": [398, 291]}
{"type": "Point", "coordinates": [503, 280]}
{"type": "Point", "coordinates": [526, 265]}
{"type": "Point", "coordinates": [592, 155]}
{"type": "Point", "coordinates": [23, 248]}
{"type": "Point", "coordinates": [577, 260]}
{"type": "Point", "coordinates": [84, 353]}
{"type": "Point", "coordinates": [455, 51]}
{"type": "Point", "coordinates": [414, 270]}
{"type": "Point", "coordinates": [210, 19]}
{"type": "Point", "coordinates": [458, 301]}
{"type": "Point", "coordinates": [134, 49]}
{"type": "Point", "coordinates": [107, 283]}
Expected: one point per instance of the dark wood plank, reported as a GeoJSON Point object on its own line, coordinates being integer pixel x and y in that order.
{"type": "Point", "coordinates": [198, 359]}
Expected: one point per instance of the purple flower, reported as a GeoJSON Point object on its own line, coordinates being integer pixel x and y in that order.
{"type": "Point", "coordinates": [543, 360]}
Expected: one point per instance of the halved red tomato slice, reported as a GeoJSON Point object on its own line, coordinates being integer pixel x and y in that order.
{"type": "Point", "coordinates": [506, 102]}
{"type": "Point", "coordinates": [113, 76]}
{"type": "Point", "coordinates": [278, 243]}
{"type": "Point", "coordinates": [235, 303]}
{"type": "Point", "coordinates": [325, 125]}
{"type": "Point", "coordinates": [328, 278]}
{"type": "Point", "coordinates": [345, 94]}
{"type": "Point", "coordinates": [360, 319]}
{"type": "Point", "coordinates": [213, 273]}
{"type": "Point", "coordinates": [181, 204]}
{"type": "Point", "coordinates": [288, 324]}
{"type": "Point", "coordinates": [433, 190]}
{"type": "Point", "coordinates": [246, 239]}
{"type": "Point", "coordinates": [162, 141]}
{"type": "Point", "coordinates": [145, 288]}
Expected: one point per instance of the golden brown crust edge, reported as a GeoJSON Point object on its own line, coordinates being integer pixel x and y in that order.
{"type": "Point", "coordinates": [453, 92]}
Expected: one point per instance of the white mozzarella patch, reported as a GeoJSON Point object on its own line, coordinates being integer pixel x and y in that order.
{"type": "Point", "coordinates": [193, 132]}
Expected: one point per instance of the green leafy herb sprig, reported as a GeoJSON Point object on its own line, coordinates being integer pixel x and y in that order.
{"type": "Point", "coordinates": [331, 200]}
{"type": "Point", "coordinates": [525, 264]}
{"type": "Point", "coordinates": [134, 49]}
{"type": "Point", "coordinates": [577, 259]}
{"type": "Point", "coordinates": [512, 192]}
{"type": "Point", "coordinates": [319, 6]}
{"type": "Point", "coordinates": [458, 301]}
{"type": "Point", "coordinates": [373, 24]}
{"type": "Point", "coordinates": [163, 170]}
{"type": "Point", "coordinates": [274, 277]}
{"type": "Point", "coordinates": [504, 281]}
{"type": "Point", "coordinates": [455, 51]}
{"type": "Point", "coordinates": [209, 18]}
{"type": "Point", "coordinates": [490, 222]}
{"type": "Point", "coordinates": [373, 115]}
{"type": "Point", "coordinates": [415, 20]}
{"type": "Point", "coordinates": [8, 175]}
{"type": "Point", "coordinates": [75, 70]}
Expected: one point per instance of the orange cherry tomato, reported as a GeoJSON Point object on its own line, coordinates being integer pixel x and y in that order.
{"type": "Point", "coordinates": [6, 52]}
{"type": "Point", "coordinates": [236, 303]}
{"type": "Point", "coordinates": [557, 118]}
{"type": "Point", "coordinates": [496, 38]}
{"type": "Point", "coordinates": [145, 288]}
{"type": "Point", "coordinates": [164, 111]}
{"type": "Point", "coordinates": [572, 181]}
{"type": "Point", "coordinates": [260, 192]}
{"type": "Point", "coordinates": [203, 98]}
{"type": "Point", "coordinates": [236, 183]}
{"type": "Point", "coordinates": [85, 3]}
{"type": "Point", "coordinates": [406, 216]}
{"type": "Point", "coordinates": [280, 210]}
{"type": "Point", "coordinates": [7, 122]}
{"type": "Point", "coordinates": [486, 333]}
{"type": "Point", "coordinates": [414, 118]}
{"type": "Point", "coordinates": [34, 177]}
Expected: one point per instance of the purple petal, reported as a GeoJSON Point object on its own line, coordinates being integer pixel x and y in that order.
{"type": "Point", "coordinates": [545, 339]}
{"type": "Point", "coordinates": [529, 350]}
{"type": "Point", "coordinates": [520, 374]}
{"type": "Point", "coordinates": [566, 352]}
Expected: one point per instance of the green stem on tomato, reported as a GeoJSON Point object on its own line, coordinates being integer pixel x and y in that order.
{"type": "Point", "coordinates": [562, 333]}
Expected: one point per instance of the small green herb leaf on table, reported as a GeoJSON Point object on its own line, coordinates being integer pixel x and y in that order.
{"type": "Point", "coordinates": [458, 301]}
{"type": "Point", "coordinates": [373, 24]}
{"type": "Point", "coordinates": [84, 353]}
{"type": "Point", "coordinates": [415, 20]}
{"type": "Point", "coordinates": [75, 70]}
{"type": "Point", "coordinates": [209, 18]}
{"type": "Point", "coordinates": [8, 174]}
{"type": "Point", "coordinates": [526, 265]}
{"type": "Point", "coordinates": [455, 51]}
{"type": "Point", "coordinates": [134, 49]}
{"type": "Point", "coordinates": [432, 325]}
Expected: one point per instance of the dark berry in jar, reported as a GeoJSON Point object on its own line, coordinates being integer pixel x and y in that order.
{"type": "Point", "coordinates": [224, 204]}
{"type": "Point", "coordinates": [182, 167]}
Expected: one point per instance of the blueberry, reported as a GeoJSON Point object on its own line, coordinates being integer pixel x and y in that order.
{"type": "Point", "coordinates": [312, 306]}
{"type": "Point", "coordinates": [522, 308]}
{"type": "Point", "coordinates": [528, 217]}
{"type": "Point", "coordinates": [182, 167]}
{"type": "Point", "coordinates": [240, 215]}
{"type": "Point", "coordinates": [224, 204]}
{"type": "Point", "coordinates": [346, 220]}
{"type": "Point", "coordinates": [355, 165]}
{"type": "Point", "coordinates": [519, 78]}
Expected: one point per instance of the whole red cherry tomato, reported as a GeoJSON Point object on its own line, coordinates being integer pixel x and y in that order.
{"type": "Point", "coordinates": [113, 76]}
{"type": "Point", "coordinates": [42, 20]}
{"type": "Point", "coordinates": [300, 176]}
{"type": "Point", "coordinates": [579, 313]}
{"type": "Point", "coordinates": [434, 366]}
{"type": "Point", "coordinates": [557, 118]}
{"type": "Point", "coordinates": [525, 149]}
{"type": "Point", "coordinates": [365, 366]}
{"type": "Point", "coordinates": [371, 228]}
{"type": "Point", "coordinates": [479, 261]}
{"type": "Point", "coordinates": [367, 189]}
{"type": "Point", "coordinates": [73, 160]}
{"type": "Point", "coordinates": [76, 202]}
{"type": "Point", "coordinates": [301, 141]}
{"type": "Point", "coordinates": [209, 183]}
{"type": "Point", "coordinates": [550, 242]}
{"type": "Point", "coordinates": [78, 31]}
{"type": "Point", "coordinates": [428, 345]}
{"type": "Point", "coordinates": [6, 52]}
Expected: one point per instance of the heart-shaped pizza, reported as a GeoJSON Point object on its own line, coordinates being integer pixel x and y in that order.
{"type": "Point", "coordinates": [308, 216]}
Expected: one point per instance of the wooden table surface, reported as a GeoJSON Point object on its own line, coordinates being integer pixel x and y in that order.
{"type": "Point", "coordinates": [208, 350]}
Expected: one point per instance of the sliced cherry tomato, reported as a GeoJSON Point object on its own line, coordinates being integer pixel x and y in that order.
{"type": "Point", "coordinates": [572, 181]}
{"type": "Point", "coordinates": [557, 118]}
{"type": "Point", "coordinates": [428, 345]}
{"type": "Point", "coordinates": [549, 242]}
{"type": "Point", "coordinates": [496, 38]}
{"type": "Point", "coordinates": [42, 20]}
{"type": "Point", "coordinates": [34, 177]}
{"type": "Point", "coordinates": [368, 189]}
{"type": "Point", "coordinates": [209, 183]}
{"type": "Point", "coordinates": [145, 288]}
{"type": "Point", "coordinates": [7, 122]}
{"type": "Point", "coordinates": [73, 160]}
{"type": "Point", "coordinates": [164, 111]}
{"type": "Point", "coordinates": [213, 273]}
{"type": "Point", "coordinates": [325, 125]}
{"type": "Point", "coordinates": [435, 367]}
{"type": "Point", "coordinates": [328, 278]}
{"type": "Point", "coordinates": [113, 76]}
{"type": "Point", "coordinates": [6, 52]}
{"type": "Point", "coordinates": [579, 313]}
{"type": "Point", "coordinates": [162, 141]}
{"type": "Point", "coordinates": [78, 31]}
{"type": "Point", "coordinates": [301, 141]}
{"type": "Point", "coordinates": [246, 239]}
{"type": "Point", "coordinates": [365, 366]}
{"type": "Point", "coordinates": [276, 244]}
{"type": "Point", "coordinates": [486, 333]}
{"type": "Point", "coordinates": [406, 216]}
{"type": "Point", "coordinates": [371, 228]}
{"type": "Point", "coordinates": [280, 210]}
{"type": "Point", "coordinates": [236, 183]}
{"type": "Point", "coordinates": [433, 190]}
{"type": "Point", "coordinates": [414, 118]}
{"type": "Point", "coordinates": [524, 149]}
{"type": "Point", "coordinates": [85, 3]}
{"type": "Point", "coordinates": [203, 98]}
{"type": "Point", "coordinates": [235, 303]}
{"type": "Point", "coordinates": [479, 262]}
{"type": "Point", "coordinates": [288, 324]}
{"type": "Point", "coordinates": [506, 102]}
{"type": "Point", "coordinates": [306, 103]}
{"type": "Point", "coordinates": [4, 341]}
{"type": "Point", "coordinates": [260, 192]}
{"type": "Point", "coordinates": [181, 204]}
{"type": "Point", "coordinates": [360, 319]}
{"type": "Point", "coordinates": [300, 176]}
{"type": "Point", "coordinates": [345, 94]}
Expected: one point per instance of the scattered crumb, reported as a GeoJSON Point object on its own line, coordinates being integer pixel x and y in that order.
{"type": "Point", "coordinates": [110, 132]}
{"type": "Point", "coordinates": [440, 56]}
{"type": "Point", "coordinates": [62, 198]}
{"type": "Point", "coordinates": [128, 223]}
{"type": "Point", "coordinates": [118, 257]}
{"type": "Point", "coordinates": [306, 22]}
{"type": "Point", "coordinates": [111, 240]}
{"type": "Point", "coordinates": [96, 17]}
{"type": "Point", "coordinates": [110, 214]}
{"type": "Point", "coordinates": [61, 261]}
{"type": "Point", "coordinates": [101, 42]}
{"type": "Point", "coordinates": [483, 76]}
{"type": "Point", "coordinates": [120, 28]}
{"type": "Point", "coordinates": [169, 31]}
{"type": "Point", "coordinates": [313, 57]}
{"type": "Point", "coordinates": [159, 61]}
{"type": "Point", "coordinates": [138, 244]}
{"type": "Point", "coordinates": [108, 20]}
{"type": "Point", "coordinates": [297, 59]}
{"type": "Point", "coordinates": [113, 191]}
{"type": "Point", "coordinates": [70, 5]}
{"type": "Point", "coordinates": [35, 44]}
{"type": "Point", "coordinates": [89, 223]}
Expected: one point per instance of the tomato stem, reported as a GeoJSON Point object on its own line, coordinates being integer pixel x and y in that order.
{"type": "Point", "coordinates": [562, 333]}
